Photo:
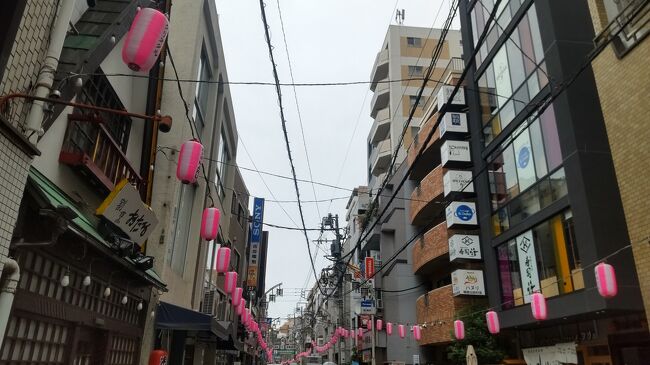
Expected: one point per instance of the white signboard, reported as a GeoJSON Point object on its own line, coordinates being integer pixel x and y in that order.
{"type": "Point", "coordinates": [461, 213]}
{"type": "Point", "coordinates": [457, 181]}
{"type": "Point", "coordinates": [464, 246]}
{"type": "Point", "coordinates": [467, 282]}
{"type": "Point", "coordinates": [455, 151]}
{"type": "Point", "coordinates": [561, 353]}
{"type": "Point", "coordinates": [453, 123]}
{"type": "Point", "coordinates": [445, 92]}
{"type": "Point", "coordinates": [416, 359]}
{"type": "Point", "coordinates": [527, 265]}
{"type": "Point", "coordinates": [124, 208]}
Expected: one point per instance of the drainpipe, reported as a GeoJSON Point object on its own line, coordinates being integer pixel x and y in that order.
{"type": "Point", "coordinates": [46, 75]}
{"type": "Point", "coordinates": [8, 284]}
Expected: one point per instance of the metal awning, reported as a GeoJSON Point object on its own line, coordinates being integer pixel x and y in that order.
{"type": "Point", "coordinates": [51, 195]}
{"type": "Point", "coordinates": [173, 317]}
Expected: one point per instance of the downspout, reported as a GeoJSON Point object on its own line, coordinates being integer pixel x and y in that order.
{"type": "Point", "coordinates": [8, 284]}
{"type": "Point", "coordinates": [45, 79]}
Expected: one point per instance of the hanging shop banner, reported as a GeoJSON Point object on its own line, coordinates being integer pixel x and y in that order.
{"type": "Point", "coordinates": [457, 181]}
{"type": "Point", "coordinates": [467, 282]}
{"type": "Point", "coordinates": [445, 93]}
{"type": "Point", "coordinates": [125, 209]}
{"type": "Point", "coordinates": [255, 242]}
{"type": "Point", "coordinates": [453, 123]}
{"type": "Point", "coordinates": [455, 152]}
{"type": "Point", "coordinates": [461, 213]}
{"type": "Point", "coordinates": [368, 306]}
{"type": "Point", "coordinates": [527, 265]}
{"type": "Point", "coordinates": [370, 267]}
{"type": "Point", "coordinates": [464, 246]}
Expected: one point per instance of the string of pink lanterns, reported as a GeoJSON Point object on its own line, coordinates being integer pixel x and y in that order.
{"type": "Point", "coordinates": [141, 49]}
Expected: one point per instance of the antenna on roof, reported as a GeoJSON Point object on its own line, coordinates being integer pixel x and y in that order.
{"type": "Point", "coordinates": [399, 16]}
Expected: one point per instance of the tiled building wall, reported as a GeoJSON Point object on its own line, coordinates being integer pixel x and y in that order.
{"type": "Point", "coordinates": [623, 89]}
{"type": "Point", "coordinates": [14, 165]}
{"type": "Point", "coordinates": [27, 55]}
{"type": "Point", "coordinates": [19, 76]}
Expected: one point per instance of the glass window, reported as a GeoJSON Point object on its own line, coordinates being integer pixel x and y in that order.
{"type": "Point", "coordinates": [223, 160]}
{"type": "Point", "coordinates": [538, 149]}
{"type": "Point", "coordinates": [544, 259]}
{"type": "Point", "coordinates": [177, 251]}
{"type": "Point", "coordinates": [414, 42]}
{"type": "Point", "coordinates": [551, 139]}
{"type": "Point", "coordinates": [415, 70]}
{"type": "Point", "coordinates": [413, 98]}
{"type": "Point", "coordinates": [201, 92]}
{"type": "Point", "coordinates": [525, 161]}
{"type": "Point", "coordinates": [513, 76]}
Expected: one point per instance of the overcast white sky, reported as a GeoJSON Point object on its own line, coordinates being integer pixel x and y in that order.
{"type": "Point", "coordinates": [328, 41]}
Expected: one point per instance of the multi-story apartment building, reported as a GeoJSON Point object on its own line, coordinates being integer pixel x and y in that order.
{"type": "Point", "coordinates": [442, 211]}
{"type": "Point", "coordinates": [181, 255]}
{"type": "Point", "coordinates": [624, 110]}
{"type": "Point", "coordinates": [404, 59]}
{"type": "Point", "coordinates": [405, 54]}
{"type": "Point", "coordinates": [85, 288]}
{"type": "Point", "coordinates": [548, 198]}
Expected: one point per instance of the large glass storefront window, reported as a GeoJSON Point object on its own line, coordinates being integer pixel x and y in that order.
{"type": "Point", "coordinates": [526, 175]}
{"type": "Point", "coordinates": [544, 259]}
{"type": "Point", "coordinates": [513, 77]}
{"type": "Point", "coordinates": [480, 14]}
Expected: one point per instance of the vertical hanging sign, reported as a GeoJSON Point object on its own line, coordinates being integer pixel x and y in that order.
{"type": "Point", "coordinates": [255, 241]}
{"type": "Point", "coordinates": [528, 265]}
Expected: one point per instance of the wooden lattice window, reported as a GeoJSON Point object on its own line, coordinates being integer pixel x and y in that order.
{"type": "Point", "coordinates": [34, 342]}
{"type": "Point", "coordinates": [123, 351]}
{"type": "Point", "coordinates": [42, 274]}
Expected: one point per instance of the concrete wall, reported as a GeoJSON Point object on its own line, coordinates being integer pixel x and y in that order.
{"type": "Point", "coordinates": [623, 88]}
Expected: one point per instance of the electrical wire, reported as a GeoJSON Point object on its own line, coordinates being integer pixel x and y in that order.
{"type": "Point", "coordinates": [286, 136]}
{"type": "Point", "coordinates": [264, 181]}
{"type": "Point", "coordinates": [295, 97]}
{"type": "Point", "coordinates": [537, 109]}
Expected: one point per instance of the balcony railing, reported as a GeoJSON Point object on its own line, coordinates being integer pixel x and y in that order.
{"type": "Point", "coordinates": [455, 65]}
{"type": "Point", "coordinates": [89, 147]}
{"type": "Point", "coordinates": [629, 27]}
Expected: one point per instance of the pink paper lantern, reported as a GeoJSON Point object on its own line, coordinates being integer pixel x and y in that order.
{"type": "Point", "coordinates": [241, 307]}
{"type": "Point", "coordinates": [223, 259]}
{"type": "Point", "coordinates": [389, 328]}
{"type": "Point", "coordinates": [492, 319]}
{"type": "Point", "coordinates": [236, 296]}
{"type": "Point", "coordinates": [538, 306]}
{"type": "Point", "coordinates": [417, 333]}
{"type": "Point", "coordinates": [606, 280]}
{"type": "Point", "coordinates": [210, 223]}
{"type": "Point", "coordinates": [360, 332]}
{"type": "Point", "coordinates": [401, 330]}
{"type": "Point", "coordinates": [145, 39]}
{"type": "Point", "coordinates": [189, 160]}
{"type": "Point", "coordinates": [230, 282]}
{"type": "Point", "coordinates": [380, 325]}
{"type": "Point", "coordinates": [369, 325]}
{"type": "Point", "coordinates": [459, 329]}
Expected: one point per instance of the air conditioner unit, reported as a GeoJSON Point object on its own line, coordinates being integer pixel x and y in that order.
{"type": "Point", "coordinates": [208, 302]}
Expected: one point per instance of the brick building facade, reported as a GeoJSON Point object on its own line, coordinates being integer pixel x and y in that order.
{"type": "Point", "coordinates": [622, 82]}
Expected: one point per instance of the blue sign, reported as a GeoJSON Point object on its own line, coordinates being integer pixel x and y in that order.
{"type": "Point", "coordinates": [258, 218]}
{"type": "Point", "coordinates": [464, 213]}
{"type": "Point", "coordinates": [524, 157]}
{"type": "Point", "coordinates": [367, 303]}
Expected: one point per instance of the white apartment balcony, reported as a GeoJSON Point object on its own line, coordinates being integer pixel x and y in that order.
{"type": "Point", "coordinates": [381, 98]}
{"type": "Point", "coordinates": [380, 157]}
{"type": "Point", "coordinates": [380, 127]}
{"type": "Point", "coordinates": [379, 69]}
